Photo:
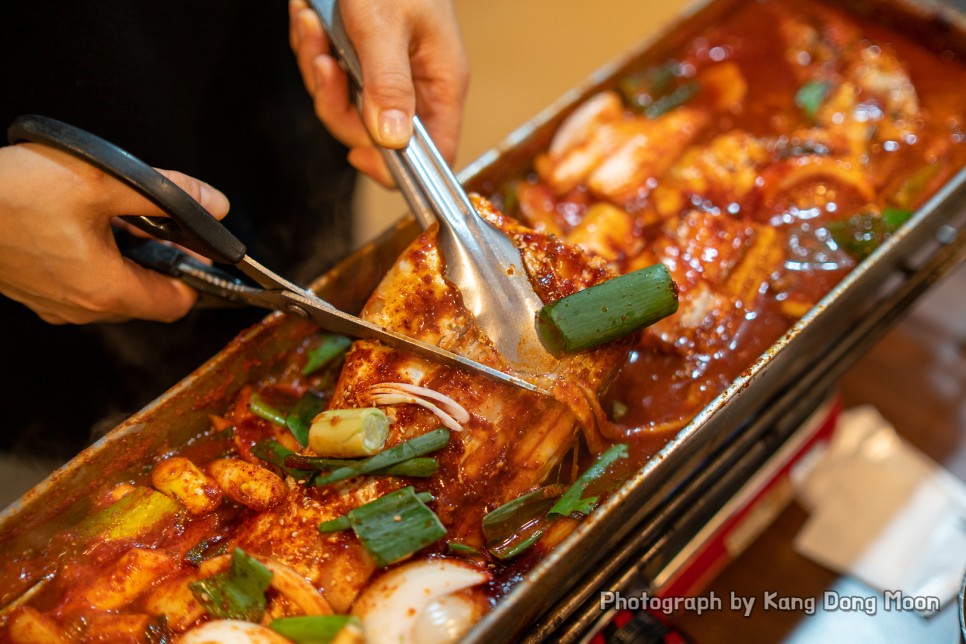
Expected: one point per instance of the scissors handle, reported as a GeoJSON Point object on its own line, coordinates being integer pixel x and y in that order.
{"type": "Point", "coordinates": [190, 224]}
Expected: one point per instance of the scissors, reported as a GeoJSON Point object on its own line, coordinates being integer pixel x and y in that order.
{"type": "Point", "coordinates": [189, 225]}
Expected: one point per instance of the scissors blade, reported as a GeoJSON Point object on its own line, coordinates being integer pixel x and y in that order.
{"type": "Point", "coordinates": [332, 319]}
{"type": "Point", "coordinates": [283, 295]}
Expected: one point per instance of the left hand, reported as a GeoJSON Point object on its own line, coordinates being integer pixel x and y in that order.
{"type": "Point", "coordinates": [413, 61]}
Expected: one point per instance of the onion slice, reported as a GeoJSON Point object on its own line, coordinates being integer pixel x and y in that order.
{"type": "Point", "coordinates": [232, 631]}
{"type": "Point", "coordinates": [391, 606]}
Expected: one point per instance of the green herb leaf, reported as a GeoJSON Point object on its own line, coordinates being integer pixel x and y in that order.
{"type": "Point", "coordinates": [515, 526]}
{"type": "Point", "coordinates": [331, 347]}
{"type": "Point", "coordinates": [238, 593]}
{"type": "Point", "coordinates": [393, 526]}
{"type": "Point", "coordinates": [300, 418]}
{"type": "Point", "coordinates": [572, 503]}
{"type": "Point", "coordinates": [428, 442]}
{"type": "Point", "coordinates": [608, 310]}
{"type": "Point", "coordinates": [810, 97]}
{"type": "Point", "coordinates": [313, 629]}
{"type": "Point", "coordinates": [263, 410]}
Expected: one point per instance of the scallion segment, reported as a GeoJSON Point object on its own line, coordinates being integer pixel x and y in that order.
{"type": "Point", "coordinates": [419, 446]}
{"type": "Point", "coordinates": [135, 514]}
{"type": "Point", "coordinates": [392, 527]}
{"type": "Point", "coordinates": [314, 629]}
{"type": "Point", "coordinates": [277, 454]}
{"type": "Point", "coordinates": [862, 233]}
{"type": "Point", "coordinates": [681, 95]}
{"type": "Point", "coordinates": [608, 311]}
{"type": "Point", "coordinates": [238, 593]}
{"type": "Point", "coordinates": [325, 352]}
{"type": "Point", "coordinates": [420, 467]}
{"type": "Point", "coordinates": [461, 548]}
{"type": "Point", "coordinates": [263, 410]}
{"type": "Point", "coordinates": [515, 526]}
{"type": "Point", "coordinates": [349, 432]}
{"type": "Point", "coordinates": [643, 89]}
{"type": "Point", "coordinates": [572, 502]}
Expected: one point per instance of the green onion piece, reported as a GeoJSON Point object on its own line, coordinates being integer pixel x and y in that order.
{"type": "Point", "coordinates": [206, 549]}
{"type": "Point", "coordinates": [273, 452]}
{"type": "Point", "coordinates": [912, 188]}
{"type": "Point", "coordinates": [393, 526]}
{"type": "Point", "coordinates": [461, 548]}
{"type": "Point", "coordinates": [862, 233]}
{"type": "Point", "coordinates": [335, 525]}
{"type": "Point", "coordinates": [349, 432]}
{"type": "Point", "coordinates": [810, 97]}
{"type": "Point", "coordinates": [342, 523]}
{"type": "Point", "coordinates": [313, 629]}
{"type": "Point", "coordinates": [515, 526]}
{"type": "Point", "coordinates": [238, 593]}
{"type": "Point", "coordinates": [668, 102]}
{"type": "Point", "coordinates": [139, 512]}
{"type": "Point", "coordinates": [300, 418]}
{"type": "Point", "coordinates": [641, 89]}
{"type": "Point", "coordinates": [608, 311]}
{"type": "Point", "coordinates": [895, 217]}
{"type": "Point", "coordinates": [331, 347]}
{"type": "Point", "coordinates": [571, 502]}
{"type": "Point", "coordinates": [420, 467]}
{"type": "Point", "coordinates": [157, 630]}
{"type": "Point", "coordinates": [419, 446]}
{"type": "Point", "coordinates": [263, 410]}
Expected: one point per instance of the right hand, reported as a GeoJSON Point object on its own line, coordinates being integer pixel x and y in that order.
{"type": "Point", "coordinates": [57, 252]}
{"type": "Point", "coordinates": [412, 59]}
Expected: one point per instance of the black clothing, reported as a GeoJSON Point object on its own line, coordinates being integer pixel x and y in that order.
{"type": "Point", "coordinates": [208, 88]}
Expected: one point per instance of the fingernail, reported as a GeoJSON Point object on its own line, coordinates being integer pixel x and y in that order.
{"type": "Point", "coordinates": [395, 128]}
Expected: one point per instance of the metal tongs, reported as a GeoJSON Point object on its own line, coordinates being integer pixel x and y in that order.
{"type": "Point", "coordinates": [480, 260]}
{"type": "Point", "coordinates": [192, 227]}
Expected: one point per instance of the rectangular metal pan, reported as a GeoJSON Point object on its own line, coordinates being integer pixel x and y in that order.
{"type": "Point", "coordinates": [550, 593]}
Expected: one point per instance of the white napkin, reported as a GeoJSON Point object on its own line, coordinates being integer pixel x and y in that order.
{"type": "Point", "coordinates": [883, 512]}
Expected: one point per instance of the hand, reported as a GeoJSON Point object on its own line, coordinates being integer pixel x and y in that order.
{"type": "Point", "coordinates": [412, 60]}
{"type": "Point", "coordinates": [57, 252]}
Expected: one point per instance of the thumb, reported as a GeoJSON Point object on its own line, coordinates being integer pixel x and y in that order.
{"type": "Point", "coordinates": [211, 199]}
{"type": "Point", "coordinates": [130, 202]}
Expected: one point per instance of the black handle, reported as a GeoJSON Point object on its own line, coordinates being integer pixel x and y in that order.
{"type": "Point", "coordinates": [190, 225]}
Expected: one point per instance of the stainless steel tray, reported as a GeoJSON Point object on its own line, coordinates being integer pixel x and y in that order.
{"type": "Point", "coordinates": [552, 591]}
